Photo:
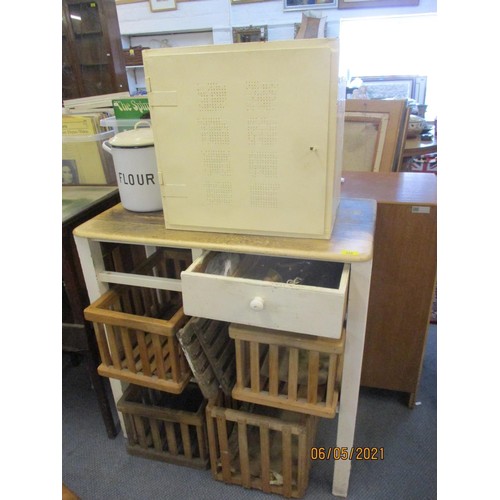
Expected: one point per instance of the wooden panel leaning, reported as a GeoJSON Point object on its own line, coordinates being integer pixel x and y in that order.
{"type": "Point", "coordinates": [136, 326]}
{"type": "Point", "coordinates": [260, 447]}
{"type": "Point", "coordinates": [288, 370]}
{"type": "Point", "coordinates": [210, 353]}
{"type": "Point", "coordinates": [166, 427]}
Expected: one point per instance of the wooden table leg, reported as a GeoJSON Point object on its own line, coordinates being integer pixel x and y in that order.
{"type": "Point", "coordinates": [359, 291]}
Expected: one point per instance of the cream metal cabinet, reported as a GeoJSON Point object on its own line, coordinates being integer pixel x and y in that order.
{"type": "Point", "coordinates": [245, 137]}
{"type": "Point", "coordinates": [351, 244]}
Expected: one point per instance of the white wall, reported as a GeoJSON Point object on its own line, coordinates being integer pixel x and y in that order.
{"type": "Point", "coordinates": [220, 16]}
{"type": "Point", "coordinates": [202, 22]}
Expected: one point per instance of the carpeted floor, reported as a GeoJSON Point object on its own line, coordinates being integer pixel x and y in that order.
{"type": "Point", "coordinates": [98, 468]}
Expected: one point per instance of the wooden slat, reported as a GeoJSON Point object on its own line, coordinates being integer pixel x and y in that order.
{"type": "Point", "coordinates": [213, 443]}
{"type": "Point", "coordinates": [127, 346]}
{"type": "Point", "coordinates": [102, 343]}
{"type": "Point", "coordinates": [142, 345]}
{"type": "Point", "coordinates": [264, 458]}
{"type": "Point", "coordinates": [171, 440]}
{"type": "Point", "coordinates": [147, 300]}
{"type": "Point", "coordinates": [273, 370]}
{"type": "Point", "coordinates": [302, 464]}
{"type": "Point", "coordinates": [175, 353]}
{"type": "Point", "coordinates": [293, 371]}
{"type": "Point", "coordinates": [254, 367]}
{"type": "Point", "coordinates": [224, 448]}
{"type": "Point", "coordinates": [244, 455]}
{"type": "Point", "coordinates": [130, 428]}
{"type": "Point", "coordinates": [155, 433]}
{"type": "Point", "coordinates": [286, 436]}
{"type": "Point", "coordinates": [141, 431]}
{"type": "Point", "coordinates": [186, 440]}
{"type": "Point", "coordinates": [200, 436]}
{"type": "Point", "coordinates": [138, 307]}
{"type": "Point", "coordinates": [158, 357]}
{"type": "Point", "coordinates": [312, 377]}
{"type": "Point", "coordinates": [240, 364]}
{"type": "Point", "coordinates": [113, 347]}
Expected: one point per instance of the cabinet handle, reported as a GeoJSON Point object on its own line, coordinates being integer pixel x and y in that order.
{"type": "Point", "coordinates": [257, 304]}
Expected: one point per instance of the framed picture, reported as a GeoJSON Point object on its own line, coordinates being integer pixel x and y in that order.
{"type": "Point", "coordinates": [122, 2]}
{"type": "Point", "coordinates": [374, 132]}
{"type": "Point", "coordinates": [309, 4]}
{"type": "Point", "coordinates": [158, 5]}
{"type": "Point", "coordinates": [236, 2]}
{"type": "Point", "coordinates": [70, 172]}
{"type": "Point", "coordinates": [250, 34]}
{"type": "Point", "coordinates": [367, 4]}
{"type": "Point", "coordinates": [395, 87]}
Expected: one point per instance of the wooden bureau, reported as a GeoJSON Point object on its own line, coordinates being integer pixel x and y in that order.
{"type": "Point", "coordinates": [403, 277]}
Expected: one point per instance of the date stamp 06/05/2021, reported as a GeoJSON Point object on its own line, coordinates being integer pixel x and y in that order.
{"type": "Point", "coordinates": [345, 453]}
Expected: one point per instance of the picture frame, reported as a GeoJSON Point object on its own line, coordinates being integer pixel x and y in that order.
{"type": "Point", "coordinates": [396, 87]}
{"type": "Point", "coordinates": [289, 5]}
{"type": "Point", "coordinates": [123, 2]}
{"type": "Point", "coordinates": [161, 5]}
{"type": "Point", "coordinates": [70, 172]}
{"type": "Point", "coordinates": [250, 34]}
{"type": "Point", "coordinates": [236, 2]}
{"type": "Point", "coordinates": [368, 4]}
{"type": "Point", "coordinates": [374, 132]}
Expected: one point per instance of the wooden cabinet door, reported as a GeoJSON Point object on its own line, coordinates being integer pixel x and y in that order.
{"type": "Point", "coordinates": [403, 280]}
{"type": "Point", "coordinates": [92, 62]}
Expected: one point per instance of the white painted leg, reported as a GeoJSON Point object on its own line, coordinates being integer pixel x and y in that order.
{"type": "Point", "coordinates": [359, 291]}
{"type": "Point", "coordinates": [92, 264]}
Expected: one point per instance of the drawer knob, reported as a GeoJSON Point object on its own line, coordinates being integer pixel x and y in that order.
{"type": "Point", "coordinates": [257, 303]}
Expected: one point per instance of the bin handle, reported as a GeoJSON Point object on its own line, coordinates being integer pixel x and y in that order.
{"type": "Point", "coordinates": [148, 124]}
{"type": "Point", "coordinates": [106, 147]}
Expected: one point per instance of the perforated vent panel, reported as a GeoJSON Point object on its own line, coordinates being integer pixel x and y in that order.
{"type": "Point", "coordinates": [261, 95]}
{"type": "Point", "coordinates": [212, 96]}
{"type": "Point", "coordinates": [262, 131]}
{"type": "Point", "coordinates": [262, 164]}
{"type": "Point", "coordinates": [264, 195]}
{"type": "Point", "coordinates": [216, 162]}
{"type": "Point", "coordinates": [214, 130]}
{"type": "Point", "coordinates": [218, 193]}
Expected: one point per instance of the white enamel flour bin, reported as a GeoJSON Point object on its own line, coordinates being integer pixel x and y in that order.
{"type": "Point", "coordinates": [136, 173]}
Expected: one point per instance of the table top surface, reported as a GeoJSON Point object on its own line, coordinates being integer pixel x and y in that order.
{"type": "Point", "coordinates": [415, 146]}
{"type": "Point", "coordinates": [391, 187]}
{"type": "Point", "coordinates": [351, 240]}
{"type": "Point", "coordinates": [77, 199]}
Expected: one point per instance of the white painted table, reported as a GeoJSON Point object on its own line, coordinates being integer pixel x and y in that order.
{"type": "Point", "coordinates": [351, 242]}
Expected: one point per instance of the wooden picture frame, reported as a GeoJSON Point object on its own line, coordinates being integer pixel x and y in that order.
{"type": "Point", "coordinates": [374, 133]}
{"type": "Point", "coordinates": [236, 2]}
{"type": "Point", "coordinates": [250, 34]}
{"type": "Point", "coordinates": [161, 5]}
{"type": "Point", "coordinates": [368, 4]}
{"type": "Point", "coordinates": [396, 87]}
{"type": "Point", "coordinates": [309, 4]}
{"type": "Point", "coordinates": [123, 2]}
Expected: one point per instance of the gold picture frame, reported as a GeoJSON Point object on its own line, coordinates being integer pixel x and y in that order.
{"type": "Point", "coordinates": [250, 34]}
{"type": "Point", "coordinates": [368, 4]}
{"type": "Point", "coordinates": [161, 5]}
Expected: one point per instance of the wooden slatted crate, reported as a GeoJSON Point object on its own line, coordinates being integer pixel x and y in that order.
{"type": "Point", "coordinates": [166, 427]}
{"type": "Point", "coordinates": [287, 370]}
{"type": "Point", "coordinates": [135, 328]}
{"type": "Point", "coordinates": [260, 447]}
{"type": "Point", "coordinates": [210, 353]}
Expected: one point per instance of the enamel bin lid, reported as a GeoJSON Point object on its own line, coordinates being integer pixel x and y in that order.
{"type": "Point", "coordinates": [140, 137]}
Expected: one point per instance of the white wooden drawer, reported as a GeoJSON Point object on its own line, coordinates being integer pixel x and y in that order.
{"type": "Point", "coordinates": [315, 307]}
